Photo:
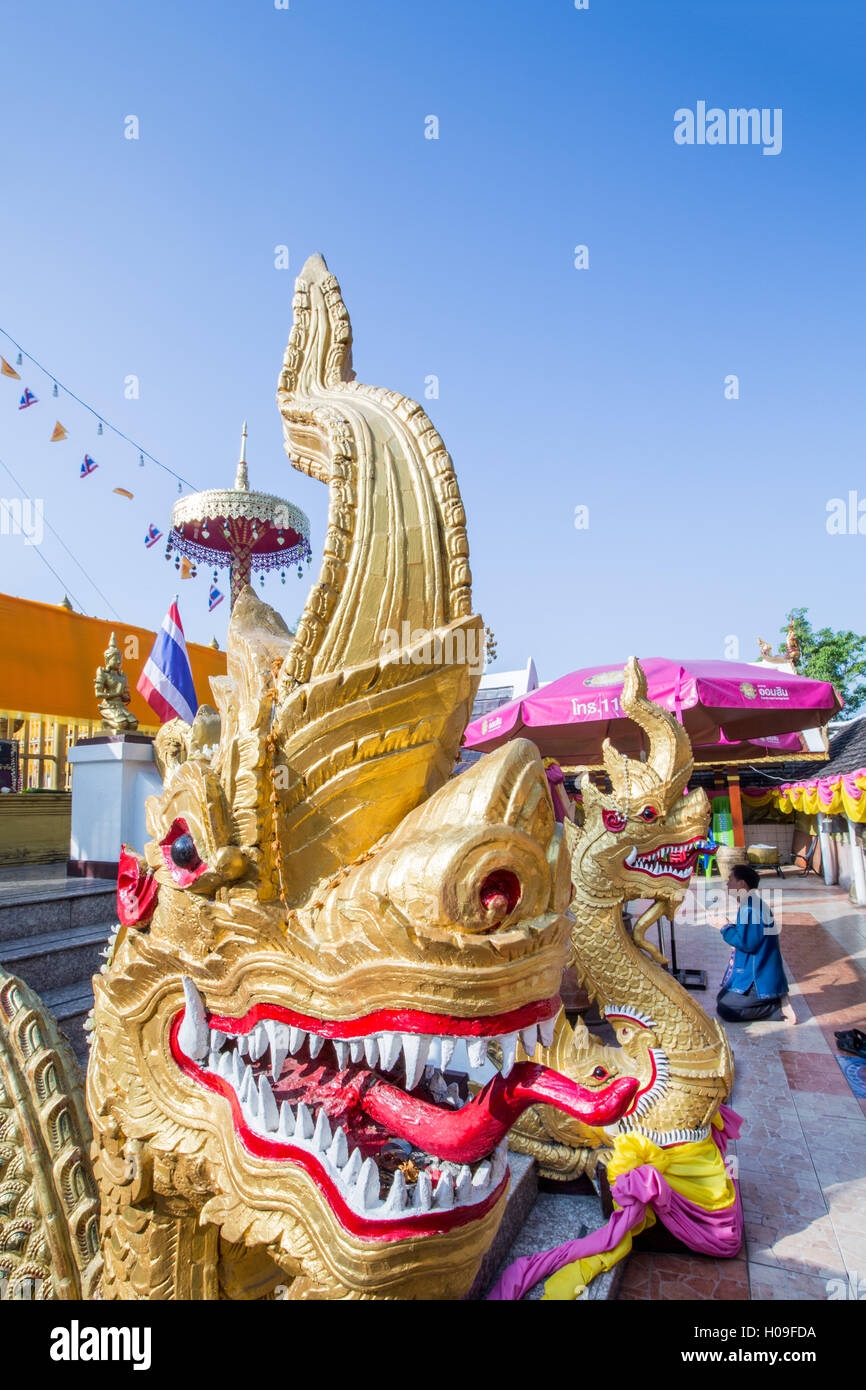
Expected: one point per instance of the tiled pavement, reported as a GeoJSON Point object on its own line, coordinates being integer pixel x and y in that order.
{"type": "Point", "coordinates": [802, 1152]}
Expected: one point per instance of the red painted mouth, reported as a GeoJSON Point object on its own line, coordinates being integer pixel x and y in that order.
{"type": "Point", "coordinates": [373, 1114]}
{"type": "Point", "coordinates": [669, 861]}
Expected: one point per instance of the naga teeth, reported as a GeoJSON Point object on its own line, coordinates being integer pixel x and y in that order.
{"type": "Point", "coordinates": [546, 1031]}
{"type": "Point", "coordinates": [303, 1122]}
{"type": "Point", "coordinates": [389, 1049]}
{"type": "Point", "coordinates": [443, 1196]}
{"type": "Point", "coordinates": [396, 1200]}
{"type": "Point", "coordinates": [352, 1168]}
{"type": "Point", "coordinates": [477, 1050]}
{"type": "Point", "coordinates": [267, 1106]}
{"type": "Point", "coordinates": [338, 1153]}
{"type": "Point", "coordinates": [415, 1048]}
{"type": "Point", "coordinates": [193, 1035]}
{"type": "Point", "coordinates": [529, 1039]}
{"type": "Point", "coordinates": [422, 1198]}
{"type": "Point", "coordinates": [287, 1121]}
{"type": "Point", "coordinates": [297, 1038]}
{"type": "Point", "coordinates": [509, 1052]}
{"type": "Point", "coordinates": [366, 1190]}
{"type": "Point", "coordinates": [322, 1133]}
{"type": "Point", "coordinates": [341, 1051]}
{"type": "Point", "coordinates": [258, 1042]}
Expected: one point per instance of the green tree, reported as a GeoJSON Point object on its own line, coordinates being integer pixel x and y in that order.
{"type": "Point", "coordinates": [825, 655]}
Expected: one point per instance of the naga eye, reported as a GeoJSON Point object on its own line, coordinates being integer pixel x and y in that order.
{"type": "Point", "coordinates": [184, 853]}
{"type": "Point", "coordinates": [599, 1072]}
{"type": "Point", "coordinates": [613, 821]}
{"type": "Point", "coordinates": [649, 813]}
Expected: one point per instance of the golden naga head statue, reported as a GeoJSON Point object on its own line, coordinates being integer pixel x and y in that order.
{"type": "Point", "coordinates": [325, 921]}
{"type": "Point", "coordinates": [644, 837]}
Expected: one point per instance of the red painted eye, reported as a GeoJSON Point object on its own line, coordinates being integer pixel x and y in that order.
{"type": "Point", "coordinates": [613, 821]}
{"type": "Point", "coordinates": [600, 1072]}
{"type": "Point", "coordinates": [500, 893]}
{"type": "Point", "coordinates": [649, 813]}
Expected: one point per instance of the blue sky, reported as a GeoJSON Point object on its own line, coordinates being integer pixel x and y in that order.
{"type": "Point", "coordinates": [558, 387]}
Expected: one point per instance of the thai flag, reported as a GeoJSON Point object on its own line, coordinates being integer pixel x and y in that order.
{"type": "Point", "coordinates": [87, 467]}
{"type": "Point", "coordinates": [214, 597]}
{"type": "Point", "coordinates": [166, 680]}
{"type": "Point", "coordinates": [27, 399]}
{"type": "Point", "coordinates": [153, 535]}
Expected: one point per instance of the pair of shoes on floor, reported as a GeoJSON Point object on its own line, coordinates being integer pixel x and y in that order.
{"type": "Point", "coordinates": [852, 1041]}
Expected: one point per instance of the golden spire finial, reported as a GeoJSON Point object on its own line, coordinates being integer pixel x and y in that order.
{"type": "Point", "coordinates": [242, 483]}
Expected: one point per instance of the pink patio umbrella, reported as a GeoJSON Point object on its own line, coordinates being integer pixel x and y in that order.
{"type": "Point", "coordinates": [725, 703]}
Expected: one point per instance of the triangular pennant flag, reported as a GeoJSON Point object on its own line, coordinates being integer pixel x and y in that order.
{"type": "Point", "coordinates": [59, 433]}
{"type": "Point", "coordinates": [153, 535]}
{"type": "Point", "coordinates": [8, 370]}
{"type": "Point", "coordinates": [87, 467]}
{"type": "Point", "coordinates": [214, 597]}
{"type": "Point", "coordinates": [187, 569]}
{"type": "Point", "coordinates": [27, 399]}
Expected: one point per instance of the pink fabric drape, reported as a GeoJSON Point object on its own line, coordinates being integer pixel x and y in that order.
{"type": "Point", "coordinates": [717, 1233]}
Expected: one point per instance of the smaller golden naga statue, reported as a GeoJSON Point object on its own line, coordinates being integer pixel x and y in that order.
{"type": "Point", "coordinates": [111, 689]}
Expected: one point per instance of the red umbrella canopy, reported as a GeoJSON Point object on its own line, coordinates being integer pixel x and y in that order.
{"type": "Point", "coordinates": [716, 701]}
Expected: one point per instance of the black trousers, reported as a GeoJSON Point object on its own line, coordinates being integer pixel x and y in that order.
{"type": "Point", "coordinates": [744, 1008]}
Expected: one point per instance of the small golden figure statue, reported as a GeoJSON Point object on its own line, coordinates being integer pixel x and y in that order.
{"type": "Point", "coordinates": [111, 689]}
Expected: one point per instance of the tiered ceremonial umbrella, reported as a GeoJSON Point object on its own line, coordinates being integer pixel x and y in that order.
{"type": "Point", "coordinates": [245, 531]}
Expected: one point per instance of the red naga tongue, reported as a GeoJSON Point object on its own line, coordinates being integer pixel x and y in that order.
{"type": "Point", "coordinates": [462, 1136]}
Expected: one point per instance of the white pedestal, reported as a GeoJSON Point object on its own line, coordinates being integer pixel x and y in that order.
{"type": "Point", "coordinates": [113, 776]}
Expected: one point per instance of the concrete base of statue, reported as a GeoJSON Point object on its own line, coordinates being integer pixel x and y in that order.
{"type": "Point", "coordinates": [113, 775]}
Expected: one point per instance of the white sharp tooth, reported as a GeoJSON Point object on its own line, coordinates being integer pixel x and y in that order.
{"type": "Point", "coordinates": [341, 1052]}
{"type": "Point", "coordinates": [481, 1179]}
{"type": "Point", "coordinates": [356, 1049]}
{"type": "Point", "coordinates": [477, 1050]}
{"type": "Point", "coordinates": [448, 1045]}
{"type": "Point", "coordinates": [463, 1186]}
{"type": "Point", "coordinates": [287, 1121]}
{"type": "Point", "coordinates": [529, 1039]}
{"type": "Point", "coordinates": [452, 1093]}
{"type": "Point", "coordinates": [371, 1051]}
{"type": "Point", "coordinates": [338, 1153]}
{"type": "Point", "coordinates": [297, 1037]}
{"type": "Point", "coordinates": [217, 1038]}
{"type": "Point", "coordinates": [278, 1040]}
{"type": "Point", "coordinates": [396, 1200]}
{"type": "Point", "coordinates": [389, 1049]}
{"type": "Point", "coordinates": [304, 1122]}
{"type": "Point", "coordinates": [443, 1195]}
{"type": "Point", "coordinates": [247, 1087]}
{"type": "Point", "coordinates": [422, 1199]}
{"type": "Point", "coordinates": [267, 1106]}
{"type": "Point", "coordinates": [243, 1044]}
{"type": "Point", "coordinates": [213, 1062]}
{"type": "Point", "coordinates": [316, 1044]}
{"type": "Point", "coordinates": [322, 1133]}
{"type": "Point", "coordinates": [500, 1163]}
{"type": "Point", "coordinates": [238, 1069]}
{"type": "Point", "coordinates": [226, 1065]}
{"type": "Point", "coordinates": [263, 1039]}
{"type": "Point", "coordinates": [366, 1191]}
{"type": "Point", "coordinates": [509, 1051]}
{"type": "Point", "coordinates": [193, 1035]}
{"type": "Point", "coordinates": [352, 1169]}
{"type": "Point", "coordinates": [434, 1053]}
{"type": "Point", "coordinates": [546, 1030]}
{"type": "Point", "coordinates": [415, 1047]}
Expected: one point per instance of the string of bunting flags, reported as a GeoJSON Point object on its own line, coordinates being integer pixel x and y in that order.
{"type": "Point", "coordinates": [89, 465]}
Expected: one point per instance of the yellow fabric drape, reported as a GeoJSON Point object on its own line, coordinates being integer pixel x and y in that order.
{"type": "Point", "coordinates": [695, 1171]}
{"type": "Point", "coordinates": [834, 796]}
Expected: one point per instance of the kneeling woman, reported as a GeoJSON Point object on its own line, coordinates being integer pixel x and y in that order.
{"type": "Point", "coordinates": [754, 985]}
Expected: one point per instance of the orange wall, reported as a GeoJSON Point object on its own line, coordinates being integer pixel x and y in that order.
{"type": "Point", "coordinates": [49, 656]}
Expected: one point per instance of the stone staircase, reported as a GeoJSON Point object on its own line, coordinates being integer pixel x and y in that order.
{"type": "Point", "coordinates": [53, 931]}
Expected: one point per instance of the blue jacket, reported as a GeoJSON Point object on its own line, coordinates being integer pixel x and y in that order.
{"type": "Point", "coordinates": [756, 958]}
